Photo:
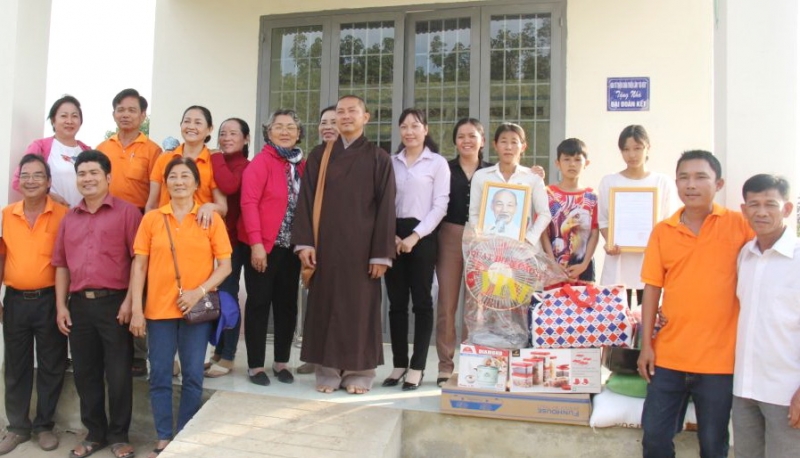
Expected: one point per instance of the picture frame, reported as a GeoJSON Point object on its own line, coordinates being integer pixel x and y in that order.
{"type": "Point", "coordinates": [507, 214]}
{"type": "Point", "coordinates": [632, 215]}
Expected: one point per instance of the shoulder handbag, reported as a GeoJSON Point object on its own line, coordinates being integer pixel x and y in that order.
{"type": "Point", "coordinates": [207, 308]}
{"type": "Point", "coordinates": [307, 273]}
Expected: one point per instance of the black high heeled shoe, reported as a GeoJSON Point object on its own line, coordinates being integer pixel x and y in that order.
{"type": "Point", "coordinates": [388, 381]}
{"type": "Point", "coordinates": [413, 386]}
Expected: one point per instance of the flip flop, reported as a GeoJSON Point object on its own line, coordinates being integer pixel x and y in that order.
{"type": "Point", "coordinates": [215, 370]}
{"type": "Point", "coordinates": [120, 445]}
{"type": "Point", "coordinates": [89, 448]}
{"type": "Point", "coordinates": [157, 451]}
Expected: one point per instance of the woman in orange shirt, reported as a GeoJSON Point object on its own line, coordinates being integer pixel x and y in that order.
{"type": "Point", "coordinates": [196, 249]}
{"type": "Point", "coordinates": [196, 128]}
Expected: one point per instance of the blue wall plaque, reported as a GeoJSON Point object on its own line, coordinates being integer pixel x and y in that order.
{"type": "Point", "coordinates": [629, 94]}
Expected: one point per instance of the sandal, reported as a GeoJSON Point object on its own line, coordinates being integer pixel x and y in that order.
{"type": "Point", "coordinates": [211, 361]}
{"type": "Point", "coordinates": [89, 448]}
{"type": "Point", "coordinates": [216, 370]}
{"type": "Point", "coordinates": [161, 445]}
{"type": "Point", "coordinates": [120, 447]}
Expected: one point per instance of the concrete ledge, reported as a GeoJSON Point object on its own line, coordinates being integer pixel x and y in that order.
{"type": "Point", "coordinates": [68, 415]}
{"type": "Point", "coordinates": [254, 426]}
{"type": "Point", "coordinates": [445, 436]}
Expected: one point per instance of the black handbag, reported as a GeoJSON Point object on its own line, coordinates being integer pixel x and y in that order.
{"type": "Point", "coordinates": [207, 308]}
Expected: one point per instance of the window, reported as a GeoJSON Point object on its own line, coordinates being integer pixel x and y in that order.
{"type": "Point", "coordinates": [498, 62]}
{"type": "Point", "coordinates": [442, 58]}
{"type": "Point", "coordinates": [519, 78]}
{"type": "Point", "coordinates": [296, 74]}
{"type": "Point", "coordinates": [366, 69]}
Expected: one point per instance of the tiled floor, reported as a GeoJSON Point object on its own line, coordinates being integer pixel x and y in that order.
{"type": "Point", "coordinates": [426, 398]}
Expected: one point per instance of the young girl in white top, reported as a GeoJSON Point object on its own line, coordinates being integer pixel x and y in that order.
{"type": "Point", "coordinates": [624, 268]}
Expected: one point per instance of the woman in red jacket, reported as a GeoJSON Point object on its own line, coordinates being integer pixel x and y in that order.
{"type": "Point", "coordinates": [269, 197]}
{"type": "Point", "coordinates": [228, 164]}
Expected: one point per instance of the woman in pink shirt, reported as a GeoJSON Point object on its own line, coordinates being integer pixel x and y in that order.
{"type": "Point", "coordinates": [60, 150]}
{"type": "Point", "coordinates": [422, 177]}
{"type": "Point", "coordinates": [270, 186]}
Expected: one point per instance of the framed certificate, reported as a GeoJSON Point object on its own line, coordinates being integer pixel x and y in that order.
{"type": "Point", "coordinates": [504, 210]}
{"type": "Point", "coordinates": [632, 214]}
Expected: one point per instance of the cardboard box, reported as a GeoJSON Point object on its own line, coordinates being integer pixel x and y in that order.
{"type": "Point", "coordinates": [567, 370]}
{"type": "Point", "coordinates": [483, 367]}
{"type": "Point", "coordinates": [570, 409]}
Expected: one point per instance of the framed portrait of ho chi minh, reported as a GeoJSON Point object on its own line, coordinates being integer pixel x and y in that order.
{"type": "Point", "coordinates": [632, 214]}
{"type": "Point", "coordinates": [505, 210]}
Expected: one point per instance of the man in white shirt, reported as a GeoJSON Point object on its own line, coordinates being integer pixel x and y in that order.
{"type": "Point", "coordinates": [766, 383]}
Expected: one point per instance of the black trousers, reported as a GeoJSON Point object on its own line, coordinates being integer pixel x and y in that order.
{"type": "Point", "coordinates": [25, 321]}
{"type": "Point", "coordinates": [275, 288]}
{"type": "Point", "coordinates": [101, 347]}
{"type": "Point", "coordinates": [411, 276]}
{"type": "Point", "coordinates": [639, 296]}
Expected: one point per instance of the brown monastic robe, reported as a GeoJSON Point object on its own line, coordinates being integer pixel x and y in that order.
{"type": "Point", "coordinates": [357, 223]}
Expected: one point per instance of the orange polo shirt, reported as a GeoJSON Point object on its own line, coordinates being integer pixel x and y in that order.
{"type": "Point", "coordinates": [29, 250]}
{"type": "Point", "coordinates": [203, 195]}
{"type": "Point", "coordinates": [698, 277]}
{"type": "Point", "coordinates": [131, 167]}
{"type": "Point", "coordinates": [195, 247]}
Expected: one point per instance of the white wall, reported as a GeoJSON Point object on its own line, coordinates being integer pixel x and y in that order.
{"type": "Point", "coordinates": [670, 42]}
{"type": "Point", "coordinates": [758, 119]}
{"type": "Point", "coordinates": [24, 32]}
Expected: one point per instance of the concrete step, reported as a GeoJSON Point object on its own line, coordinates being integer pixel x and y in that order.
{"type": "Point", "coordinates": [255, 426]}
{"type": "Point", "coordinates": [452, 436]}
{"type": "Point", "coordinates": [68, 417]}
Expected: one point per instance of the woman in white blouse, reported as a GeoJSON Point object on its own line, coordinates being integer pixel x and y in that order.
{"type": "Point", "coordinates": [60, 150]}
{"type": "Point", "coordinates": [624, 268]}
{"type": "Point", "coordinates": [509, 142]}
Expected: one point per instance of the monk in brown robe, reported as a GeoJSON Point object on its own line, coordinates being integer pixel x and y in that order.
{"type": "Point", "coordinates": [356, 246]}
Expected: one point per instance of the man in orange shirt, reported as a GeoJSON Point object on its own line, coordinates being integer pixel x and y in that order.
{"type": "Point", "coordinates": [29, 230]}
{"type": "Point", "coordinates": [132, 154]}
{"type": "Point", "coordinates": [691, 257]}
{"type": "Point", "coordinates": [132, 157]}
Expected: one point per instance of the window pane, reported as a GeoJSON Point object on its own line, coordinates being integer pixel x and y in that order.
{"type": "Point", "coordinates": [441, 75]}
{"type": "Point", "coordinates": [366, 69]}
{"type": "Point", "coordinates": [295, 74]}
{"type": "Point", "coordinates": [519, 86]}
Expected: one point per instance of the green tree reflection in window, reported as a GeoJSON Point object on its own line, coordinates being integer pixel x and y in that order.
{"type": "Point", "coordinates": [519, 82]}
{"type": "Point", "coordinates": [366, 69]}
{"type": "Point", "coordinates": [442, 75]}
{"type": "Point", "coordinates": [296, 76]}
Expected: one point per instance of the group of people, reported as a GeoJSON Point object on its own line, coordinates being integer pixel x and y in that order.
{"type": "Point", "coordinates": [128, 239]}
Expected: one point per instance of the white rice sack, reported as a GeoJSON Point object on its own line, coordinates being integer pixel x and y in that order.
{"type": "Point", "coordinates": [612, 409]}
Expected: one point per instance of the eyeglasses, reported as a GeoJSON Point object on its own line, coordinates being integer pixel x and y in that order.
{"type": "Point", "coordinates": [38, 177]}
{"type": "Point", "coordinates": [290, 128]}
